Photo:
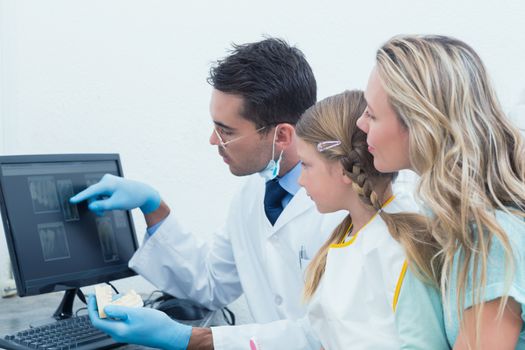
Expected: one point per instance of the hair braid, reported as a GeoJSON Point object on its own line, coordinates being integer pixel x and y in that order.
{"type": "Point", "coordinates": [361, 184]}
{"type": "Point", "coordinates": [334, 118]}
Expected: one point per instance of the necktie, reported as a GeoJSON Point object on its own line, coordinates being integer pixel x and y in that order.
{"type": "Point", "coordinates": [273, 198]}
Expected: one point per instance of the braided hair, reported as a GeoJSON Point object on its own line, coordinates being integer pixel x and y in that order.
{"type": "Point", "coordinates": [334, 118]}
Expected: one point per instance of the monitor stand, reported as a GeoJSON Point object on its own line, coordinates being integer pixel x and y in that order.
{"type": "Point", "coordinates": [64, 310]}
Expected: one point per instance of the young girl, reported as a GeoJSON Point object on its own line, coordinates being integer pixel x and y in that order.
{"type": "Point", "coordinates": [431, 108]}
{"type": "Point", "coordinates": [361, 294]}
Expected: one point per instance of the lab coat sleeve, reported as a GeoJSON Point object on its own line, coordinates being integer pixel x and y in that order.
{"type": "Point", "coordinates": [283, 334]}
{"type": "Point", "coordinates": [177, 262]}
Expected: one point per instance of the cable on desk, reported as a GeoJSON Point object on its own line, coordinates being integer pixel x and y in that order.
{"type": "Point", "coordinates": [112, 286]}
{"type": "Point", "coordinates": [148, 302]}
{"type": "Point", "coordinates": [81, 296]}
{"type": "Point", "coordinates": [80, 309]}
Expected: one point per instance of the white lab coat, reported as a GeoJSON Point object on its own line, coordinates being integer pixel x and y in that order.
{"type": "Point", "coordinates": [352, 307]}
{"type": "Point", "coordinates": [248, 255]}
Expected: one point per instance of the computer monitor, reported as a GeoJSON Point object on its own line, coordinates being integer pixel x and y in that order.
{"type": "Point", "coordinates": [54, 245]}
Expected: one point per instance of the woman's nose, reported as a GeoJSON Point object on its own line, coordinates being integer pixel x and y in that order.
{"type": "Point", "coordinates": [362, 123]}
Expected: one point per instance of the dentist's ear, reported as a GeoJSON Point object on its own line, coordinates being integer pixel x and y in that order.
{"type": "Point", "coordinates": [285, 135]}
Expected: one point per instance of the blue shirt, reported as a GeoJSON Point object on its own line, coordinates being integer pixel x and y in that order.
{"type": "Point", "coordinates": [290, 182]}
{"type": "Point", "coordinates": [496, 286]}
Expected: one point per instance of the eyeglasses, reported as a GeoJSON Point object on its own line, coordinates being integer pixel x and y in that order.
{"type": "Point", "coordinates": [224, 143]}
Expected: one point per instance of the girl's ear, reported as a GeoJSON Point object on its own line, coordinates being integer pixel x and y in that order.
{"type": "Point", "coordinates": [346, 179]}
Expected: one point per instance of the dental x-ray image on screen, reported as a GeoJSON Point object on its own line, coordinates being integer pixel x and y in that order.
{"type": "Point", "coordinates": [53, 244]}
{"type": "Point", "coordinates": [65, 191]}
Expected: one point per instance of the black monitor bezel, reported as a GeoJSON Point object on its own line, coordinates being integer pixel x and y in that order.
{"type": "Point", "coordinates": [22, 290]}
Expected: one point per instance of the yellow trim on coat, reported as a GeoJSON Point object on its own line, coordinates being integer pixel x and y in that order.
{"type": "Point", "coordinates": [351, 240]}
{"type": "Point", "coordinates": [347, 232]}
{"type": "Point", "coordinates": [346, 244]}
{"type": "Point", "coordinates": [399, 284]}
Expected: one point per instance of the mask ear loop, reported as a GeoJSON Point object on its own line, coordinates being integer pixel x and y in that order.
{"type": "Point", "coordinates": [273, 146]}
{"type": "Point", "coordinates": [276, 168]}
{"type": "Point", "coordinates": [273, 143]}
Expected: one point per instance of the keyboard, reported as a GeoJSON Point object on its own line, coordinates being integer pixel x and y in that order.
{"type": "Point", "coordinates": [73, 333]}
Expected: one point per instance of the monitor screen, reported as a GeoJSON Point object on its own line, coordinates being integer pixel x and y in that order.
{"type": "Point", "coordinates": [53, 244]}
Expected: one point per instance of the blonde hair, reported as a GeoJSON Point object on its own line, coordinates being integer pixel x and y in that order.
{"type": "Point", "coordinates": [334, 118]}
{"type": "Point", "coordinates": [470, 158]}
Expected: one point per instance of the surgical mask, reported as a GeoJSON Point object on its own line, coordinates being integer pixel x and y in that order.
{"type": "Point", "coordinates": [271, 170]}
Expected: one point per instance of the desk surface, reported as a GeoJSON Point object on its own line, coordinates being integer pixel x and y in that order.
{"type": "Point", "coordinates": [18, 313]}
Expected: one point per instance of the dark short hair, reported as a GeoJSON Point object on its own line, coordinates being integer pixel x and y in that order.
{"type": "Point", "coordinates": [273, 78]}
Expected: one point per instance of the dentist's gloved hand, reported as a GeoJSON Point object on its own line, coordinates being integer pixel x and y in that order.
{"type": "Point", "coordinates": [122, 194]}
{"type": "Point", "coordinates": [142, 326]}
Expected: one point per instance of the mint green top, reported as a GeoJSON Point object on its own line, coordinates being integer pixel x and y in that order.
{"type": "Point", "coordinates": [514, 227]}
{"type": "Point", "coordinates": [419, 316]}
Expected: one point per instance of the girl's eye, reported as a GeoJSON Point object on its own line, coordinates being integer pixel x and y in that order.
{"type": "Point", "coordinates": [368, 115]}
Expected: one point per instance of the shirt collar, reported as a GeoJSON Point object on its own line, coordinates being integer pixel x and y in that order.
{"type": "Point", "coordinates": [290, 180]}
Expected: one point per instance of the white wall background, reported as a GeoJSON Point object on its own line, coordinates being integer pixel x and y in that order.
{"type": "Point", "coordinates": [128, 76]}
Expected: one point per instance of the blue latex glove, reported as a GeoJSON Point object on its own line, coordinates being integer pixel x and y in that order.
{"type": "Point", "coordinates": [116, 193]}
{"type": "Point", "coordinates": [144, 326]}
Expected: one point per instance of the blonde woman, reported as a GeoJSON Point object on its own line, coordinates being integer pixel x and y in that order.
{"type": "Point", "coordinates": [361, 295]}
{"type": "Point", "coordinates": [431, 108]}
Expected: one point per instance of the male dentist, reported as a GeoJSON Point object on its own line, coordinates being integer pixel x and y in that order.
{"type": "Point", "coordinates": [272, 230]}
